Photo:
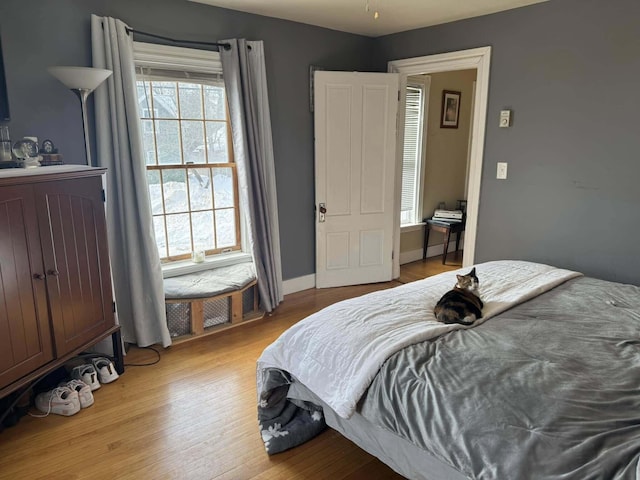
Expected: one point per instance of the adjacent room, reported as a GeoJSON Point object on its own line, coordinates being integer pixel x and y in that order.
{"type": "Point", "coordinates": [337, 239]}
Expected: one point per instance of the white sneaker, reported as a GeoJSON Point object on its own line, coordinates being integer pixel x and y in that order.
{"type": "Point", "coordinates": [106, 371]}
{"type": "Point", "coordinates": [84, 391]}
{"type": "Point", "coordinates": [87, 373]}
{"type": "Point", "coordinates": [60, 400]}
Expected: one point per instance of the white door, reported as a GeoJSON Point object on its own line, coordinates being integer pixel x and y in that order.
{"type": "Point", "coordinates": [355, 165]}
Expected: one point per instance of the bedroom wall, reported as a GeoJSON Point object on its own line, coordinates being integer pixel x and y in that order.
{"type": "Point", "coordinates": [568, 69]}
{"type": "Point", "coordinates": [40, 33]}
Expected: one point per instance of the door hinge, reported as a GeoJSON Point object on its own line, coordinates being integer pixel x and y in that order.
{"type": "Point", "coordinates": [114, 306]}
{"type": "Point", "coordinates": [398, 95]}
{"type": "Point", "coordinates": [104, 196]}
{"type": "Point", "coordinates": [393, 254]}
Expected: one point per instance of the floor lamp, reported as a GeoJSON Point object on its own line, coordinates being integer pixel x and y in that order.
{"type": "Point", "coordinates": [82, 81]}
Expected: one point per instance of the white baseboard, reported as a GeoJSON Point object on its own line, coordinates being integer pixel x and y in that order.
{"type": "Point", "coordinates": [306, 282]}
{"type": "Point", "coordinates": [432, 251]}
{"type": "Point", "coordinates": [298, 284]}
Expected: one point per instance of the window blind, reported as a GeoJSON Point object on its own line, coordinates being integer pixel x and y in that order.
{"type": "Point", "coordinates": [412, 151]}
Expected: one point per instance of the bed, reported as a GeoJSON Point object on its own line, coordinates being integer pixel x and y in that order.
{"type": "Point", "coordinates": [546, 385]}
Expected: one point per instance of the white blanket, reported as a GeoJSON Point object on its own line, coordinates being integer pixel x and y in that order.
{"type": "Point", "coordinates": [337, 351]}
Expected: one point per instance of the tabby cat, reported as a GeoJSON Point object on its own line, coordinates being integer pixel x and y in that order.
{"type": "Point", "coordinates": [462, 304]}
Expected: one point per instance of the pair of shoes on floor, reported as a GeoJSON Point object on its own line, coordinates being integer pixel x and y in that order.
{"type": "Point", "coordinates": [66, 399]}
{"type": "Point", "coordinates": [100, 370]}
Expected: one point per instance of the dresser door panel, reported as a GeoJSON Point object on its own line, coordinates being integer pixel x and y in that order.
{"type": "Point", "coordinates": [71, 216]}
{"type": "Point", "coordinates": [25, 335]}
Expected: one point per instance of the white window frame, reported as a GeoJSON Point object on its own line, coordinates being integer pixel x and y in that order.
{"type": "Point", "coordinates": [197, 61]}
{"type": "Point", "coordinates": [423, 82]}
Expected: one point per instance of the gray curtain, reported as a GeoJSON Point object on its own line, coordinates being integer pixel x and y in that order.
{"type": "Point", "coordinates": [135, 263]}
{"type": "Point", "coordinates": [245, 81]}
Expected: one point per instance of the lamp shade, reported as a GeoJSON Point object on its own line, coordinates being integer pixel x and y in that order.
{"type": "Point", "coordinates": [80, 78]}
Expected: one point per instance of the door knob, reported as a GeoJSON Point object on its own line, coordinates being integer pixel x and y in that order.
{"type": "Point", "coordinates": [53, 272]}
{"type": "Point", "coordinates": [39, 276]}
{"type": "Point", "coordinates": [323, 211]}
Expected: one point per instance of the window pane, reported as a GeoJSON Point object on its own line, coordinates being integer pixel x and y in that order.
{"type": "Point", "coordinates": [217, 142]}
{"type": "Point", "coordinates": [165, 99]}
{"type": "Point", "coordinates": [144, 98]}
{"type": "Point", "coordinates": [203, 237]}
{"type": "Point", "coordinates": [225, 228]}
{"type": "Point", "coordinates": [155, 191]}
{"type": "Point", "coordinates": [185, 122]}
{"type": "Point", "coordinates": [223, 187]}
{"type": "Point", "coordinates": [193, 141]}
{"type": "Point", "coordinates": [175, 190]}
{"type": "Point", "coordinates": [190, 100]}
{"type": "Point", "coordinates": [168, 141]}
{"type": "Point", "coordinates": [148, 143]}
{"type": "Point", "coordinates": [161, 239]}
{"type": "Point", "coordinates": [214, 103]}
{"type": "Point", "coordinates": [200, 189]}
{"type": "Point", "coordinates": [179, 231]}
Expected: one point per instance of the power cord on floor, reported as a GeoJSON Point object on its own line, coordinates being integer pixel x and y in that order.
{"type": "Point", "coordinates": [9, 409]}
{"type": "Point", "coordinates": [158, 357]}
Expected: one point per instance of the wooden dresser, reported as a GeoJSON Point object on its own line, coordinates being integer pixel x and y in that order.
{"type": "Point", "coordinates": [55, 282]}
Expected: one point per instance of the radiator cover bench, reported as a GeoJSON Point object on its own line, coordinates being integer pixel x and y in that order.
{"type": "Point", "coordinates": [211, 300]}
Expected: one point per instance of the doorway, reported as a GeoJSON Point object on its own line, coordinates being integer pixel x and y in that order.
{"type": "Point", "coordinates": [435, 163]}
{"type": "Point", "coordinates": [478, 59]}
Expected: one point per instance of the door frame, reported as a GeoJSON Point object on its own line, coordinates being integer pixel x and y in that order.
{"type": "Point", "coordinates": [475, 58]}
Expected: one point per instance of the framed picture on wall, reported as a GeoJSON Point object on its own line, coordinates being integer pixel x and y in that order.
{"type": "Point", "coordinates": [450, 109]}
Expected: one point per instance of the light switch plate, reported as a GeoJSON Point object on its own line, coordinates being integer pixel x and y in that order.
{"type": "Point", "coordinates": [505, 118]}
{"type": "Point", "coordinates": [501, 173]}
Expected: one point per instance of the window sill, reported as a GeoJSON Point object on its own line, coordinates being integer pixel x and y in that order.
{"type": "Point", "coordinates": [184, 267]}
{"type": "Point", "coordinates": [411, 227]}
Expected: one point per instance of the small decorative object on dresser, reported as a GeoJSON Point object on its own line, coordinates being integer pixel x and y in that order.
{"type": "Point", "coordinates": [49, 159]}
{"type": "Point", "coordinates": [48, 147]}
{"type": "Point", "coordinates": [26, 151]}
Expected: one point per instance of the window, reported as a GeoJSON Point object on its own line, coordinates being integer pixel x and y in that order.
{"type": "Point", "coordinates": [411, 211]}
{"type": "Point", "coordinates": [191, 172]}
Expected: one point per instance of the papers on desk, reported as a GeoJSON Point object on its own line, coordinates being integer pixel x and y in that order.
{"type": "Point", "coordinates": [452, 216]}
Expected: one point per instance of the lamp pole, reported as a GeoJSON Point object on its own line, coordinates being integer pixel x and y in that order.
{"type": "Point", "coordinates": [83, 94]}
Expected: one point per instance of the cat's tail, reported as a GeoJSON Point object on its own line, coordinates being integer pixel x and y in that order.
{"type": "Point", "coordinates": [448, 316]}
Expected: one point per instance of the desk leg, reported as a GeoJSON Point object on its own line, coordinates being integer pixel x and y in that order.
{"type": "Point", "coordinates": [426, 242]}
{"type": "Point", "coordinates": [458, 240]}
{"type": "Point", "coordinates": [447, 236]}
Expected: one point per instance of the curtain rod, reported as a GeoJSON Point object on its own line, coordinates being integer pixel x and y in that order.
{"type": "Point", "coordinates": [226, 46]}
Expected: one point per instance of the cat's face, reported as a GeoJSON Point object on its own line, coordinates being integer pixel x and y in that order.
{"type": "Point", "coordinates": [468, 281]}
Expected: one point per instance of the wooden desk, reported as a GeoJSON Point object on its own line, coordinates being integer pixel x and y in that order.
{"type": "Point", "coordinates": [445, 227]}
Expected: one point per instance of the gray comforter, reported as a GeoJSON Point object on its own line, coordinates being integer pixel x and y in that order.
{"type": "Point", "coordinates": [547, 390]}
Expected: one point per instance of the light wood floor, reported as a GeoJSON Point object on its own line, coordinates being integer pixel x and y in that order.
{"type": "Point", "coordinates": [193, 415]}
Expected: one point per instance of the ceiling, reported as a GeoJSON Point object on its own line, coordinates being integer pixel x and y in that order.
{"type": "Point", "coordinates": [351, 15]}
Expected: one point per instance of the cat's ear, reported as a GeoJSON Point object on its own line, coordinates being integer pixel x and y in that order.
{"type": "Point", "coordinates": [473, 272]}
{"type": "Point", "coordinates": [460, 278]}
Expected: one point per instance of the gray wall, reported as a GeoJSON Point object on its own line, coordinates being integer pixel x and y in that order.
{"type": "Point", "coordinates": [569, 70]}
{"type": "Point", "coordinates": [40, 33]}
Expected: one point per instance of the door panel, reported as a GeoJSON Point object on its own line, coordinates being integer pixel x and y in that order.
{"type": "Point", "coordinates": [71, 216]}
{"type": "Point", "coordinates": [25, 336]}
{"type": "Point", "coordinates": [338, 165]}
{"type": "Point", "coordinates": [355, 130]}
